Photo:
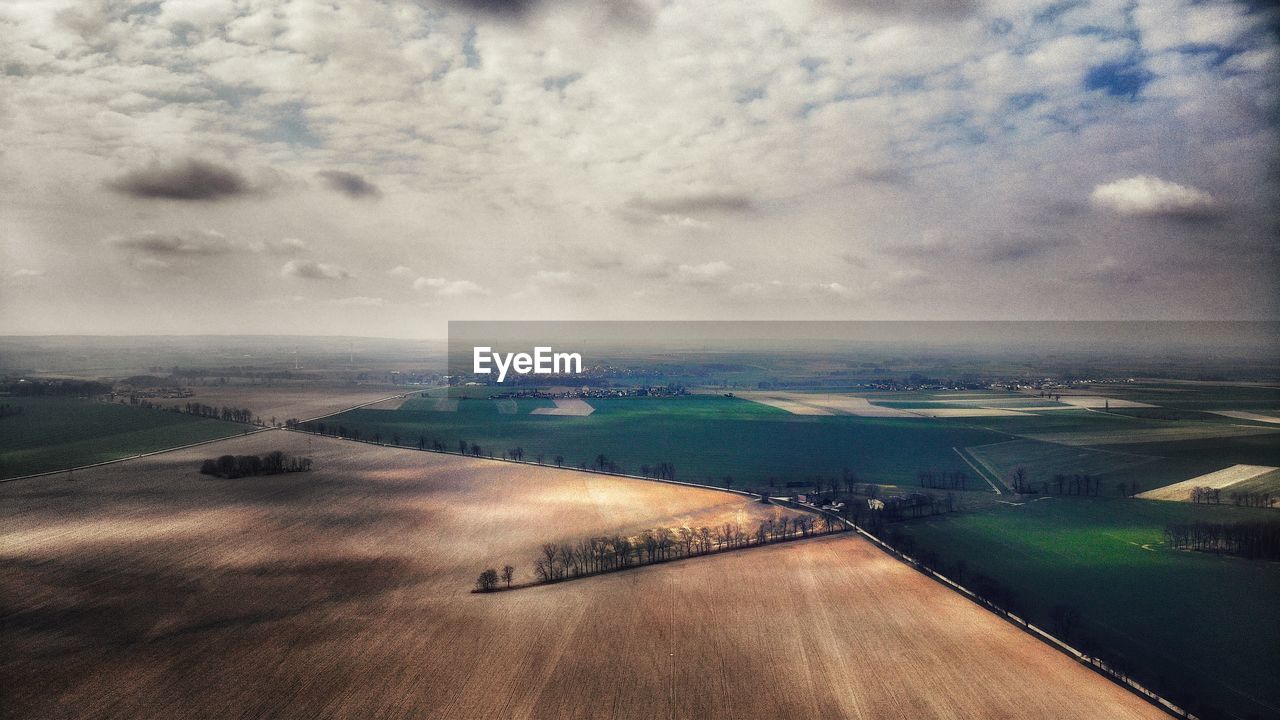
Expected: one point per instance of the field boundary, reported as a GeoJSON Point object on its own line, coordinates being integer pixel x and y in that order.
{"type": "Point", "coordinates": [47, 473]}
{"type": "Point", "coordinates": [840, 530]}
{"type": "Point", "coordinates": [994, 487]}
{"type": "Point", "coordinates": [1049, 639]}
{"type": "Point", "coordinates": [255, 429]}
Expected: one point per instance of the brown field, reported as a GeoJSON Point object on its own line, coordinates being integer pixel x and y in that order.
{"type": "Point", "coordinates": [1226, 478]}
{"type": "Point", "coordinates": [967, 412]}
{"type": "Point", "coordinates": [144, 590]}
{"type": "Point", "coordinates": [798, 403]}
{"type": "Point", "coordinates": [1098, 401]}
{"type": "Point", "coordinates": [575, 407]}
{"type": "Point", "coordinates": [300, 401]}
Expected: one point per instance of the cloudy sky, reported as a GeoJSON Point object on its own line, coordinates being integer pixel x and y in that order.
{"type": "Point", "coordinates": [376, 167]}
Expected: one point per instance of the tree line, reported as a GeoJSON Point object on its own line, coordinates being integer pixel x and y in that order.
{"type": "Point", "coordinates": [275, 462]}
{"type": "Point", "coordinates": [938, 480]}
{"type": "Point", "coordinates": [1213, 496]}
{"type": "Point", "coordinates": [44, 388]}
{"type": "Point", "coordinates": [1254, 540]}
{"type": "Point", "coordinates": [610, 553]}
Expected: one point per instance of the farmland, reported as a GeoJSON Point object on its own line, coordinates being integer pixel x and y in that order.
{"type": "Point", "coordinates": [706, 436]}
{"type": "Point", "coordinates": [53, 433]}
{"type": "Point", "coordinates": [710, 436]}
{"type": "Point", "coordinates": [146, 590]}
{"type": "Point", "coordinates": [285, 400]}
{"type": "Point", "coordinates": [1201, 629]}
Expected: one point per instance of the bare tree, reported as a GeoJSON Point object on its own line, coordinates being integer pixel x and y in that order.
{"type": "Point", "coordinates": [488, 581]}
{"type": "Point", "coordinates": [508, 572]}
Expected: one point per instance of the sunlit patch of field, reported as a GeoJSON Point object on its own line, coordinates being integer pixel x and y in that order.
{"type": "Point", "coordinates": [967, 412]}
{"type": "Point", "coordinates": [1198, 431]}
{"type": "Point", "coordinates": [301, 401]}
{"type": "Point", "coordinates": [145, 590]}
{"type": "Point", "coordinates": [1099, 401]}
{"type": "Point", "coordinates": [1246, 415]}
{"type": "Point", "coordinates": [575, 407]}
{"type": "Point", "coordinates": [798, 403]}
{"type": "Point", "coordinates": [1223, 479]}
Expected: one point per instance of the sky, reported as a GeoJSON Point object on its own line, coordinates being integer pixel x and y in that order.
{"type": "Point", "coordinates": [379, 167]}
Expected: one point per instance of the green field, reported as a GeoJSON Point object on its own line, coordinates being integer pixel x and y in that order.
{"type": "Point", "coordinates": [1201, 629]}
{"type": "Point", "coordinates": [705, 436]}
{"type": "Point", "coordinates": [57, 433]}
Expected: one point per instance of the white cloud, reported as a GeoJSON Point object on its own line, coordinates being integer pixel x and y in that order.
{"type": "Point", "coordinates": [448, 288]}
{"type": "Point", "coordinates": [312, 270]}
{"type": "Point", "coordinates": [704, 273]}
{"type": "Point", "coordinates": [400, 271]}
{"type": "Point", "coordinates": [361, 301]}
{"type": "Point", "coordinates": [1151, 196]}
{"type": "Point", "coordinates": [26, 273]}
{"type": "Point", "coordinates": [283, 246]}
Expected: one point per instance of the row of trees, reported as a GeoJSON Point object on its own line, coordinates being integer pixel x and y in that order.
{"type": "Point", "coordinates": [1061, 484]}
{"type": "Point", "coordinates": [1206, 495]}
{"type": "Point", "coordinates": [1243, 498]}
{"type": "Point", "coordinates": [938, 480]}
{"type": "Point", "coordinates": [1255, 540]}
{"type": "Point", "coordinates": [230, 414]}
{"type": "Point", "coordinates": [590, 556]}
{"type": "Point", "coordinates": [488, 580]}
{"type": "Point", "coordinates": [273, 463]}
{"type": "Point", "coordinates": [916, 505]}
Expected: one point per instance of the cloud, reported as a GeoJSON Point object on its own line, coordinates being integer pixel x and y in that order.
{"type": "Point", "coordinates": [361, 301]}
{"type": "Point", "coordinates": [835, 289]}
{"type": "Point", "coordinates": [312, 270]}
{"type": "Point", "coordinates": [1150, 196]}
{"type": "Point", "coordinates": [693, 204]}
{"type": "Point", "coordinates": [626, 14]}
{"type": "Point", "coordinates": [400, 271]}
{"type": "Point", "coordinates": [708, 273]}
{"type": "Point", "coordinates": [26, 273]}
{"type": "Point", "coordinates": [188, 179]}
{"type": "Point", "coordinates": [350, 184]}
{"type": "Point", "coordinates": [283, 246]}
{"type": "Point", "coordinates": [1001, 247]}
{"type": "Point", "coordinates": [160, 245]}
{"type": "Point", "coordinates": [921, 9]}
{"type": "Point", "coordinates": [448, 288]}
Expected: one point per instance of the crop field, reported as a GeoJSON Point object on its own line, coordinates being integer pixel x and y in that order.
{"type": "Point", "coordinates": [1232, 478]}
{"type": "Point", "coordinates": [706, 436]}
{"type": "Point", "coordinates": [56, 433]}
{"type": "Point", "coordinates": [1201, 629]}
{"type": "Point", "coordinates": [283, 401]}
{"type": "Point", "coordinates": [145, 590]}
{"type": "Point", "coordinates": [1043, 460]}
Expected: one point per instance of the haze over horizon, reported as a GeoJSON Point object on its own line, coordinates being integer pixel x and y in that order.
{"type": "Point", "coordinates": [376, 169]}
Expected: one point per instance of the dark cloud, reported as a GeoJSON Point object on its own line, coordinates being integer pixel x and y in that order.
{"type": "Point", "coordinates": [496, 8]}
{"type": "Point", "coordinates": [171, 245]}
{"type": "Point", "coordinates": [625, 14]}
{"type": "Point", "coordinates": [1005, 248]}
{"type": "Point", "coordinates": [187, 179]}
{"type": "Point", "coordinates": [350, 184]}
{"type": "Point", "coordinates": [921, 9]}
{"type": "Point", "coordinates": [693, 204]}
{"type": "Point", "coordinates": [1016, 248]}
{"type": "Point", "coordinates": [312, 270]}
